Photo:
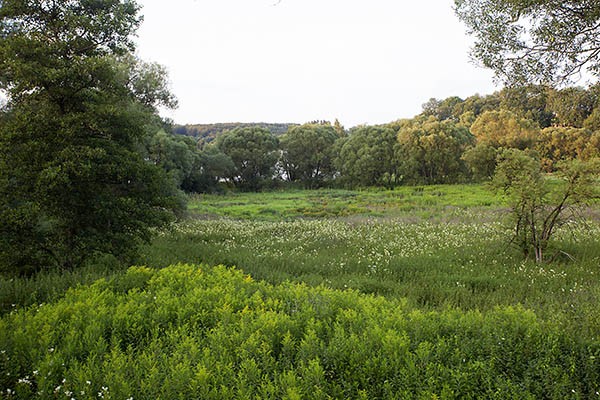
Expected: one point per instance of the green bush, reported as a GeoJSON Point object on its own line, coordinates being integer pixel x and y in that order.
{"type": "Point", "coordinates": [213, 333]}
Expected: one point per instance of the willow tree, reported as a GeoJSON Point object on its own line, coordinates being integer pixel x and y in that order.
{"type": "Point", "coordinates": [253, 151]}
{"type": "Point", "coordinates": [367, 157]}
{"type": "Point", "coordinates": [306, 153]}
{"type": "Point", "coordinates": [534, 41]}
{"type": "Point", "coordinates": [429, 151]}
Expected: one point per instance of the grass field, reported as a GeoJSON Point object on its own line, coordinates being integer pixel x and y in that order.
{"type": "Point", "coordinates": [273, 206]}
{"type": "Point", "coordinates": [435, 258]}
{"type": "Point", "coordinates": [438, 251]}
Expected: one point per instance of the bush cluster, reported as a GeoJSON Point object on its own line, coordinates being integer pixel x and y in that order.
{"type": "Point", "coordinates": [193, 331]}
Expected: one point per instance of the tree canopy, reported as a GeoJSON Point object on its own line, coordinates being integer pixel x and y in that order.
{"type": "Point", "coordinates": [505, 129]}
{"type": "Point", "coordinates": [429, 151]}
{"type": "Point", "coordinates": [253, 151]}
{"type": "Point", "coordinates": [306, 153]}
{"type": "Point", "coordinates": [534, 41]}
{"type": "Point", "coordinates": [367, 157]}
{"type": "Point", "coordinates": [72, 181]}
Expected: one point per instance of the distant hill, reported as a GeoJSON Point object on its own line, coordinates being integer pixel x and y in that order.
{"type": "Point", "coordinates": [208, 132]}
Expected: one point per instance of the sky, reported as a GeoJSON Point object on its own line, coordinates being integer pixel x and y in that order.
{"type": "Point", "coordinates": [360, 61]}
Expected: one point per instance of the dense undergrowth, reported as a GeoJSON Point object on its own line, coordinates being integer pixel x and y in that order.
{"type": "Point", "coordinates": [213, 333]}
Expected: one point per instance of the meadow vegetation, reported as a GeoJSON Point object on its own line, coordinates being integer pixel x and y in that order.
{"type": "Point", "coordinates": [444, 291]}
{"type": "Point", "coordinates": [409, 293]}
{"type": "Point", "coordinates": [425, 201]}
{"type": "Point", "coordinates": [192, 331]}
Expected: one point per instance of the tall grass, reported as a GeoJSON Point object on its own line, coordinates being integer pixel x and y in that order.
{"type": "Point", "coordinates": [47, 286]}
{"type": "Point", "coordinates": [434, 265]}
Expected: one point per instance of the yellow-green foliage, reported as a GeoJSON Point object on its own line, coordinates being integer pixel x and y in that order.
{"type": "Point", "coordinates": [213, 333]}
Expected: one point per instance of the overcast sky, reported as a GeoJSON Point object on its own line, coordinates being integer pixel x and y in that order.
{"type": "Point", "coordinates": [361, 61]}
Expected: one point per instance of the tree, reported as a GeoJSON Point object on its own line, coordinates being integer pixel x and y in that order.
{"type": "Point", "coordinates": [592, 122]}
{"type": "Point", "coordinates": [571, 106]}
{"type": "Point", "coordinates": [529, 102]}
{"type": "Point", "coordinates": [367, 157]}
{"type": "Point", "coordinates": [562, 144]}
{"type": "Point", "coordinates": [450, 108]}
{"type": "Point", "coordinates": [253, 151]}
{"type": "Point", "coordinates": [429, 151]}
{"type": "Point", "coordinates": [592, 149]}
{"type": "Point", "coordinates": [481, 161]}
{"type": "Point", "coordinates": [306, 153]}
{"type": "Point", "coordinates": [505, 129]}
{"type": "Point", "coordinates": [467, 119]}
{"type": "Point", "coordinates": [146, 81]}
{"type": "Point", "coordinates": [213, 166]}
{"type": "Point", "coordinates": [534, 41]}
{"type": "Point", "coordinates": [478, 105]}
{"type": "Point", "coordinates": [538, 208]}
{"type": "Point", "coordinates": [177, 156]}
{"type": "Point", "coordinates": [339, 129]}
{"type": "Point", "coordinates": [189, 168]}
{"type": "Point", "coordinates": [72, 182]}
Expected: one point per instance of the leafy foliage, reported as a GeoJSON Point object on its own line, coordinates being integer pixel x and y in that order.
{"type": "Point", "coordinates": [449, 108]}
{"type": "Point", "coordinates": [534, 41]}
{"type": "Point", "coordinates": [367, 157]}
{"type": "Point", "coordinates": [564, 144]}
{"type": "Point", "coordinates": [214, 165]}
{"type": "Point", "coordinates": [201, 332]}
{"type": "Point", "coordinates": [207, 133]}
{"type": "Point", "coordinates": [177, 156]}
{"type": "Point", "coordinates": [481, 160]}
{"type": "Point", "coordinates": [532, 102]}
{"type": "Point", "coordinates": [306, 154]}
{"type": "Point", "coordinates": [72, 182]}
{"type": "Point", "coordinates": [536, 208]}
{"type": "Point", "coordinates": [253, 151]}
{"type": "Point", "coordinates": [446, 152]}
{"type": "Point", "coordinates": [429, 151]}
{"type": "Point", "coordinates": [505, 129]}
{"type": "Point", "coordinates": [572, 106]}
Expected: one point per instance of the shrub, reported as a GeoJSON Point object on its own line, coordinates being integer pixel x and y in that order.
{"type": "Point", "coordinates": [212, 333]}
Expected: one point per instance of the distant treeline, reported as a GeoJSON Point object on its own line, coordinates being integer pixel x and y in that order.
{"type": "Point", "coordinates": [208, 132]}
{"type": "Point", "coordinates": [450, 141]}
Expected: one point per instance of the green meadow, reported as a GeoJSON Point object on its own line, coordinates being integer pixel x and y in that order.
{"type": "Point", "coordinates": [409, 293]}
{"type": "Point", "coordinates": [274, 206]}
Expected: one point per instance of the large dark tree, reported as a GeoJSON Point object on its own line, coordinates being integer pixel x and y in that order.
{"type": "Point", "coordinates": [72, 183]}
{"type": "Point", "coordinates": [306, 153]}
{"type": "Point", "coordinates": [367, 157]}
{"type": "Point", "coordinates": [254, 152]}
{"type": "Point", "coordinates": [534, 41]}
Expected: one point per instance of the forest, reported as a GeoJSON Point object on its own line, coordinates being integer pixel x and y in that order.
{"type": "Point", "coordinates": [452, 141]}
{"type": "Point", "coordinates": [207, 132]}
